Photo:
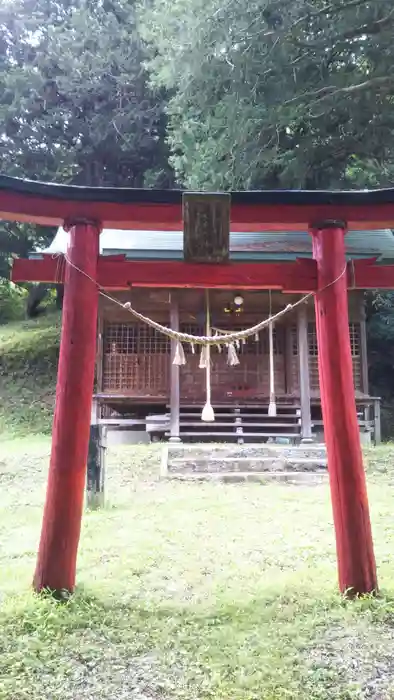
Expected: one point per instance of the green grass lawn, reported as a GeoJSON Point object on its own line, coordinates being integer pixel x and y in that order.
{"type": "Point", "coordinates": [192, 591]}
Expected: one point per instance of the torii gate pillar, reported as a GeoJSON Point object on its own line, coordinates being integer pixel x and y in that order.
{"type": "Point", "coordinates": [356, 562]}
{"type": "Point", "coordinates": [56, 563]}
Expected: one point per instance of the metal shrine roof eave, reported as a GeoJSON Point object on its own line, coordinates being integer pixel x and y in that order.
{"type": "Point", "coordinates": [245, 246]}
{"type": "Point", "coordinates": [297, 210]}
{"type": "Point", "coordinates": [234, 257]}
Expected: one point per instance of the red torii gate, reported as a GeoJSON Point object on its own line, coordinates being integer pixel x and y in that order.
{"type": "Point", "coordinates": [84, 212]}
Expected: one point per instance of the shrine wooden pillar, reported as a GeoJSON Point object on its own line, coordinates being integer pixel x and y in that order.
{"type": "Point", "coordinates": [305, 387]}
{"type": "Point", "coordinates": [356, 562]}
{"type": "Point", "coordinates": [57, 555]}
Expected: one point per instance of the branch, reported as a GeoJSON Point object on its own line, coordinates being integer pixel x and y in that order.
{"type": "Point", "coordinates": [365, 29]}
{"type": "Point", "coordinates": [373, 82]}
{"type": "Point", "coordinates": [373, 28]}
{"type": "Point", "coordinates": [329, 8]}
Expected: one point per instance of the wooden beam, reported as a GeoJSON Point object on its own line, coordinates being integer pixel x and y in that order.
{"type": "Point", "coordinates": [115, 272]}
{"type": "Point", "coordinates": [365, 274]}
{"type": "Point", "coordinates": [303, 358]}
{"type": "Point", "coordinates": [356, 562]}
{"type": "Point", "coordinates": [175, 372]}
{"type": "Point", "coordinates": [57, 555]}
{"type": "Point", "coordinates": [126, 208]}
{"type": "Point", "coordinates": [298, 276]}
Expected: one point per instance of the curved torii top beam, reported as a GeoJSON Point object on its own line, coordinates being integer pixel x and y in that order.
{"type": "Point", "coordinates": [113, 207]}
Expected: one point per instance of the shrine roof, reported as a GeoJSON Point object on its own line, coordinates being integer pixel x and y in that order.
{"type": "Point", "coordinates": [286, 246]}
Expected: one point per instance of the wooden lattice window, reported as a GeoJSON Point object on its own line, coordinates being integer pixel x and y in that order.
{"type": "Point", "coordinates": [278, 341]}
{"type": "Point", "coordinates": [355, 345]}
{"type": "Point", "coordinates": [136, 360]}
{"type": "Point", "coordinates": [294, 340]}
{"type": "Point", "coordinates": [354, 332]}
{"type": "Point", "coordinates": [259, 344]}
{"type": "Point", "coordinates": [133, 338]}
{"type": "Point", "coordinates": [313, 357]}
{"type": "Point", "coordinates": [247, 381]}
{"type": "Point", "coordinates": [191, 329]}
{"type": "Point", "coordinates": [253, 345]}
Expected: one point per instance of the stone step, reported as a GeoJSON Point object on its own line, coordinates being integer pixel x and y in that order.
{"type": "Point", "coordinates": [251, 450]}
{"type": "Point", "coordinates": [304, 478]}
{"type": "Point", "coordinates": [205, 459]}
{"type": "Point", "coordinates": [213, 465]}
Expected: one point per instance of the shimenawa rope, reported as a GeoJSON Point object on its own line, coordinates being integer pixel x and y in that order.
{"type": "Point", "coordinates": [228, 339]}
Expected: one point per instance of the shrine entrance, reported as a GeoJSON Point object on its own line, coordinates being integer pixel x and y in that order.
{"type": "Point", "coordinates": [206, 221]}
{"type": "Point", "coordinates": [248, 381]}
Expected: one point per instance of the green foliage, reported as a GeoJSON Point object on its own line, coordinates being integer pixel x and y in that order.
{"type": "Point", "coordinates": [380, 325]}
{"type": "Point", "coordinates": [12, 301]}
{"type": "Point", "coordinates": [276, 94]}
{"type": "Point", "coordinates": [17, 240]}
{"type": "Point", "coordinates": [28, 366]}
{"type": "Point", "coordinates": [75, 104]}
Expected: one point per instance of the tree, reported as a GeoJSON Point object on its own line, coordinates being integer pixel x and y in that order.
{"type": "Point", "coordinates": [282, 93]}
{"type": "Point", "coordinates": [17, 239]}
{"type": "Point", "coordinates": [75, 104]}
{"type": "Point", "coordinates": [276, 93]}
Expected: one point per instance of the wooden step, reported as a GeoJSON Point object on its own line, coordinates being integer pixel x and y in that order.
{"type": "Point", "coordinates": [283, 416]}
{"type": "Point", "coordinates": [233, 424]}
{"type": "Point", "coordinates": [231, 406]}
{"type": "Point", "coordinates": [215, 434]}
